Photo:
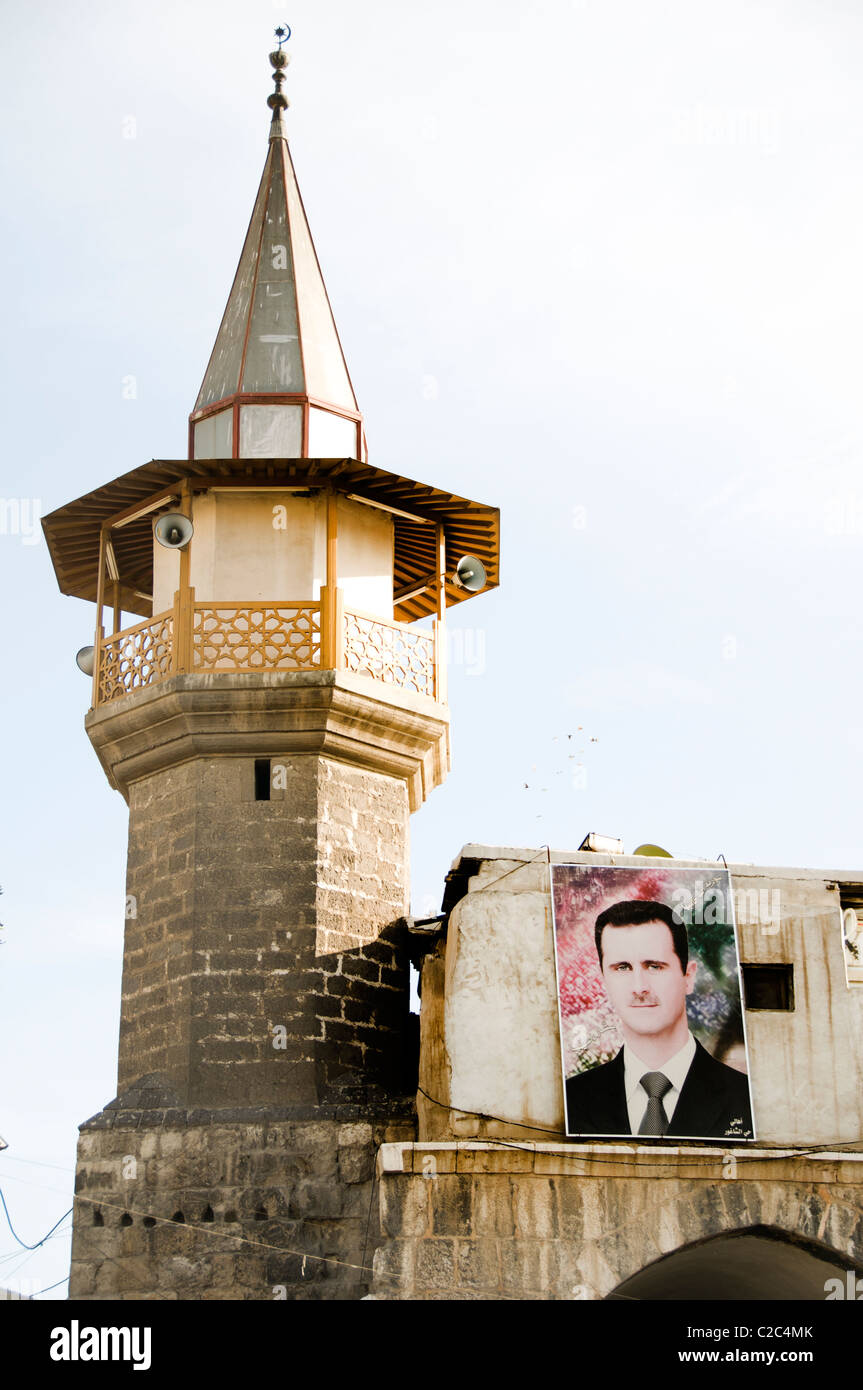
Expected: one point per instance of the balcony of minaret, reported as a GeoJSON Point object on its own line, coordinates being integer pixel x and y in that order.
{"type": "Point", "coordinates": [292, 565]}
{"type": "Point", "coordinates": [272, 581]}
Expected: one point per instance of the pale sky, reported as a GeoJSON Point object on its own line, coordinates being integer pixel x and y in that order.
{"type": "Point", "coordinates": [595, 263]}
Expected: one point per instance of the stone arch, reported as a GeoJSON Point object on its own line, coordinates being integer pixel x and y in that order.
{"type": "Point", "coordinates": [636, 1223]}
{"type": "Point", "coordinates": [760, 1263]}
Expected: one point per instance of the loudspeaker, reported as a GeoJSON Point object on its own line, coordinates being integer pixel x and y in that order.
{"type": "Point", "coordinates": [470, 574]}
{"type": "Point", "coordinates": [173, 531]}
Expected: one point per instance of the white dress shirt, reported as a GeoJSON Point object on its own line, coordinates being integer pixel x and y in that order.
{"type": "Point", "coordinates": [676, 1069]}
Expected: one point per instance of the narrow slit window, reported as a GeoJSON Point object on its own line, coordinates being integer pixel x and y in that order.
{"type": "Point", "coordinates": [262, 779]}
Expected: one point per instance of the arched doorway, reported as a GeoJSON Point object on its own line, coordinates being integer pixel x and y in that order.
{"type": "Point", "coordinates": [759, 1263]}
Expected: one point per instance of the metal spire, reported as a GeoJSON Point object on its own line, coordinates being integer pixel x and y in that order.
{"type": "Point", "coordinates": [277, 101]}
{"type": "Point", "coordinates": [277, 384]}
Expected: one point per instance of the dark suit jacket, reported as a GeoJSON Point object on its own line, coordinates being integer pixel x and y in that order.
{"type": "Point", "coordinates": [713, 1103]}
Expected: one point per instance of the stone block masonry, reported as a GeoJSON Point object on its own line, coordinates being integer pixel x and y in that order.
{"type": "Point", "coordinates": [262, 965]}
{"type": "Point", "coordinates": [238, 1205]}
{"type": "Point", "coordinates": [482, 1221]}
{"type": "Point", "coordinates": [266, 1044]}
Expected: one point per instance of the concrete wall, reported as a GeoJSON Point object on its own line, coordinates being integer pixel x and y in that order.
{"type": "Point", "coordinates": [491, 1040]}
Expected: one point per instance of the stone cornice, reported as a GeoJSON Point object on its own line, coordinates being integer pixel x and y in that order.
{"type": "Point", "coordinates": [710, 1163]}
{"type": "Point", "coordinates": [351, 719]}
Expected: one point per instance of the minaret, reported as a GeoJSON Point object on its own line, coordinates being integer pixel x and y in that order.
{"type": "Point", "coordinates": [272, 719]}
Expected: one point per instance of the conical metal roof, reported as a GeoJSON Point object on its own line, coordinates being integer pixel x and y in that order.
{"type": "Point", "coordinates": [277, 342]}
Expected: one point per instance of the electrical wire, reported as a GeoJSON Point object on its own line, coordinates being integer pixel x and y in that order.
{"type": "Point", "coordinates": [37, 1163]}
{"type": "Point", "coordinates": [58, 1235]}
{"type": "Point", "coordinates": [371, 1204]}
{"type": "Point", "coordinates": [522, 864]}
{"type": "Point", "coordinates": [189, 1226]}
{"type": "Point", "coordinates": [207, 1230]}
{"type": "Point", "coordinates": [798, 1151]}
{"type": "Point", "coordinates": [50, 1287]}
{"type": "Point", "coordinates": [18, 1238]}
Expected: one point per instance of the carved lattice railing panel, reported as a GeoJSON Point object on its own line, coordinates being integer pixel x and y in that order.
{"type": "Point", "coordinates": [263, 637]}
{"type": "Point", "coordinates": [135, 658]}
{"type": "Point", "coordinates": [256, 637]}
{"type": "Point", "coordinates": [391, 652]}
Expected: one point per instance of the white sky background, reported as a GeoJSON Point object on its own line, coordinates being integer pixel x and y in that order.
{"type": "Point", "coordinates": [595, 263]}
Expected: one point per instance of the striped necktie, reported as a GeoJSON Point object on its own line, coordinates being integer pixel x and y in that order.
{"type": "Point", "coordinates": [656, 1084]}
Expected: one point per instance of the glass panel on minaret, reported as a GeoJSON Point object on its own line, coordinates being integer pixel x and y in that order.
{"type": "Point", "coordinates": [273, 361]}
{"type": "Point", "coordinates": [331, 436]}
{"type": "Point", "coordinates": [326, 373]}
{"type": "Point", "coordinates": [271, 431]}
{"type": "Point", "coordinates": [213, 436]}
{"type": "Point", "coordinates": [223, 371]}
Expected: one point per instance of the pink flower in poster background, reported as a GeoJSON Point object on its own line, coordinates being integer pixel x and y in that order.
{"type": "Point", "coordinates": [581, 987]}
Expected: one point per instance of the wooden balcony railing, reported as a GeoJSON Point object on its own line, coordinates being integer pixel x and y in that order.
{"type": "Point", "coordinates": [130, 660]}
{"type": "Point", "coordinates": [255, 636]}
{"type": "Point", "coordinates": [393, 652]}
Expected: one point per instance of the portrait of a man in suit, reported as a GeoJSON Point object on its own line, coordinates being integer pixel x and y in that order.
{"type": "Point", "coordinates": [662, 1080]}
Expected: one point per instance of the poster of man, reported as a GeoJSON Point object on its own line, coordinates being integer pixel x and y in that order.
{"type": "Point", "coordinates": [651, 1018]}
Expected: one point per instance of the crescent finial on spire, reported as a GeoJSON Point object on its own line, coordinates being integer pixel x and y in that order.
{"type": "Point", "coordinates": [277, 101]}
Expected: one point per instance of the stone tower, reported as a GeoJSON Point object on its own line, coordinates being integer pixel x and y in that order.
{"type": "Point", "coordinates": [272, 719]}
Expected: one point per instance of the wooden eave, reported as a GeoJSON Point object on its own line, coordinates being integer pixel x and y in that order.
{"type": "Point", "coordinates": [72, 532]}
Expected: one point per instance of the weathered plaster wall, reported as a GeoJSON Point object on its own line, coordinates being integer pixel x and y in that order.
{"type": "Point", "coordinates": [243, 551]}
{"type": "Point", "coordinates": [504, 1053]}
